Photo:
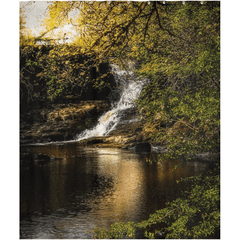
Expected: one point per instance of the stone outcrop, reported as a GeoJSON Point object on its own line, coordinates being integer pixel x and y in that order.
{"type": "Point", "coordinates": [64, 122]}
{"type": "Point", "coordinates": [128, 135]}
{"type": "Point", "coordinates": [60, 121]}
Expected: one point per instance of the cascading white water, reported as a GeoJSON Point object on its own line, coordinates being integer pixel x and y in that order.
{"type": "Point", "coordinates": [131, 89]}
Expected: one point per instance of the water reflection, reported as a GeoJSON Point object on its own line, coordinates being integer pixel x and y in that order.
{"type": "Point", "coordinates": [128, 177]}
{"type": "Point", "coordinates": [93, 187]}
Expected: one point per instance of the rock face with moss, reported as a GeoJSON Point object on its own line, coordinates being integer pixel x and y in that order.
{"type": "Point", "coordinates": [60, 121]}
{"type": "Point", "coordinates": [65, 121]}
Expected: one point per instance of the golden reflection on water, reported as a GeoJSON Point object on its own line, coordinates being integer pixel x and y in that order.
{"type": "Point", "coordinates": [128, 178]}
{"type": "Point", "coordinates": [137, 188]}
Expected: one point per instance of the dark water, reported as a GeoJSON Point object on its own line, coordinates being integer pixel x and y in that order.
{"type": "Point", "coordinates": [87, 187]}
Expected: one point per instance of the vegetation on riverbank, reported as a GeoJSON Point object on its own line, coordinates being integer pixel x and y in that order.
{"type": "Point", "coordinates": [195, 215]}
{"type": "Point", "coordinates": [60, 73]}
{"type": "Point", "coordinates": [177, 47]}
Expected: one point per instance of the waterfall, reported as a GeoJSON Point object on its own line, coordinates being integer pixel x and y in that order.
{"type": "Point", "coordinates": [130, 88]}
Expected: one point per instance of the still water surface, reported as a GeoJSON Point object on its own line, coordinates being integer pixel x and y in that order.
{"type": "Point", "coordinates": [87, 187]}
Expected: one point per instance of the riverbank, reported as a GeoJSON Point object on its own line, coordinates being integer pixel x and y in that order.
{"type": "Point", "coordinates": [60, 122]}
{"type": "Point", "coordinates": [64, 122]}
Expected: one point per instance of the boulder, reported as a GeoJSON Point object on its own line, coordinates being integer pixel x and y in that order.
{"type": "Point", "coordinates": [60, 122]}
{"type": "Point", "coordinates": [94, 141]}
{"type": "Point", "coordinates": [141, 147]}
{"type": "Point", "coordinates": [160, 235]}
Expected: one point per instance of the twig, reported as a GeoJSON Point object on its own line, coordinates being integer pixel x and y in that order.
{"type": "Point", "coordinates": [171, 211]}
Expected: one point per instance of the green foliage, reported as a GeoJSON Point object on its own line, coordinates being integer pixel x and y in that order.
{"type": "Point", "coordinates": [57, 71]}
{"type": "Point", "coordinates": [89, 122]}
{"type": "Point", "coordinates": [116, 231]}
{"type": "Point", "coordinates": [187, 121]}
{"type": "Point", "coordinates": [80, 127]}
{"type": "Point", "coordinates": [183, 109]}
{"type": "Point", "coordinates": [61, 69]}
{"type": "Point", "coordinates": [195, 215]}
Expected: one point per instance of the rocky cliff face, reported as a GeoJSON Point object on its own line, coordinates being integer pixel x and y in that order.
{"type": "Point", "coordinates": [60, 122]}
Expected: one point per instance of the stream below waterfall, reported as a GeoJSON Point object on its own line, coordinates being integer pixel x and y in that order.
{"type": "Point", "coordinates": [87, 187]}
{"type": "Point", "coordinates": [84, 187]}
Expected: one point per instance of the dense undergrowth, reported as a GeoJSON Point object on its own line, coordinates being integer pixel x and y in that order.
{"type": "Point", "coordinates": [53, 73]}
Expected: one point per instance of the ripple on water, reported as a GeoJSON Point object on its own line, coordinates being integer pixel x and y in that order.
{"type": "Point", "coordinates": [108, 185]}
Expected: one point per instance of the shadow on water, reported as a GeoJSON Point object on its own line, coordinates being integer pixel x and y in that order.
{"type": "Point", "coordinates": [87, 187]}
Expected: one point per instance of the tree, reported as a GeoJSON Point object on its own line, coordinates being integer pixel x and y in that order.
{"type": "Point", "coordinates": [25, 39]}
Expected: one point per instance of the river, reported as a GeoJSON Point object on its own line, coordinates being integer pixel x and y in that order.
{"type": "Point", "coordinates": [85, 187]}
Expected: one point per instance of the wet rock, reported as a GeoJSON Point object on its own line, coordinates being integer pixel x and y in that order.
{"type": "Point", "coordinates": [159, 149]}
{"type": "Point", "coordinates": [54, 137]}
{"type": "Point", "coordinates": [207, 156]}
{"type": "Point", "coordinates": [26, 157]}
{"type": "Point", "coordinates": [95, 141]}
{"type": "Point", "coordinates": [64, 122]}
{"type": "Point", "coordinates": [160, 235]}
{"type": "Point", "coordinates": [60, 122]}
{"type": "Point", "coordinates": [138, 147]}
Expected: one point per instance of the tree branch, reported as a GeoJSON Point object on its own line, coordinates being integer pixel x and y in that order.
{"type": "Point", "coordinates": [159, 22]}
